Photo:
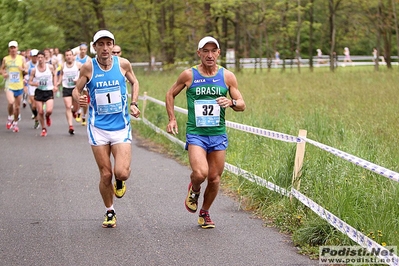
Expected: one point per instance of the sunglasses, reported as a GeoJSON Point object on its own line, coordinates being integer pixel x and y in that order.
{"type": "Point", "coordinates": [116, 52]}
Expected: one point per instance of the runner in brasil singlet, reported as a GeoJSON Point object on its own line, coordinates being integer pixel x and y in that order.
{"type": "Point", "coordinates": [205, 117]}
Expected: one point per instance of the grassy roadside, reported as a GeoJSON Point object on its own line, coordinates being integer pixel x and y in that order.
{"type": "Point", "coordinates": [353, 110]}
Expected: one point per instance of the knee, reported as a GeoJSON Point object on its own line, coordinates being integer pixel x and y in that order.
{"type": "Point", "coordinates": [214, 180]}
{"type": "Point", "coordinates": [106, 177]}
{"type": "Point", "coordinates": [122, 174]}
{"type": "Point", "coordinates": [199, 175]}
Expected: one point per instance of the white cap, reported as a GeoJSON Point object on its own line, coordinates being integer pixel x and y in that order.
{"type": "Point", "coordinates": [34, 52]}
{"type": "Point", "coordinates": [206, 40]}
{"type": "Point", "coordinates": [103, 34]}
{"type": "Point", "coordinates": [13, 43]}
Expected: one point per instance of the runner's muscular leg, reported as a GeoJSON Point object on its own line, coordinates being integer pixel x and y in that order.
{"type": "Point", "coordinates": [68, 111]}
{"type": "Point", "coordinates": [102, 157]}
{"type": "Point", "coordinates": [122, 153]}
{"type": "Point", "coordinates": [216, 160]}
{"type": "Point", "coordinates": [17, 106]}
{"type": "Point", "coordinates": [10, 100]}
{"type": "Point", "coordinates": [199, 165]}
{"type": "Point", "coordinates": [49, 107]}
{"type": "Point", "coordinates": [40, 113]}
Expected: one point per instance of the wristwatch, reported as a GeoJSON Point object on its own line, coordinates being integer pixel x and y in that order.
{"type": "Point", "coordinates": [234, 102]}
{"type": "Point", "coordinates": [135, 104]}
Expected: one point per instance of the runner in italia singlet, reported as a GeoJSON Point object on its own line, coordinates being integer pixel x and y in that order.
{"type": "Point", "coordinates": [205, 116]}
{"type": "Point", "coordinates": [15, 79]}
{"type": "Point", "coordinates": [108, 109]}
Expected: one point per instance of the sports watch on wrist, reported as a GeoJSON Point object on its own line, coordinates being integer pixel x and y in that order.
{"type": "Point", "coordinates": [234, 103]}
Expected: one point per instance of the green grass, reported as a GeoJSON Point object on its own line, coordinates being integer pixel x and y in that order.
{"type": "Point", "coordinates": [353, 109]}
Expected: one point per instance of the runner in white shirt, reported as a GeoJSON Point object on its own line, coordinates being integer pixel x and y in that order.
{"type": "Point", "coordinates": [69, 76]}
{"type": "Point", "coordinates": [44, 78]}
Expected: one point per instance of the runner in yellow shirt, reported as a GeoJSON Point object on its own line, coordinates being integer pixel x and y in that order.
{"type": "Point", "coordinates": [13, 70]}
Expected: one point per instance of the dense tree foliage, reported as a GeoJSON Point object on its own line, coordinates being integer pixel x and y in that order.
{"type": "Point", "coordinates": [170, 29]}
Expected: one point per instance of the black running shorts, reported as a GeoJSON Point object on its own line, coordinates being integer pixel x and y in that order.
{"type": "Point", "coordinates": [67, 92]}
{"type": "Point", "coordinates": [43, 96]}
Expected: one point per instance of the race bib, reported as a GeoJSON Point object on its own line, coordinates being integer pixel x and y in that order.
{"type": "Point", "coordinates": [109, 100]}
{"type": "Point", "coordinates": [70, 81]}
{"type": "Point", "coordinates": [207, 113]}
{"type": "Point", "coordinates": [42, 84]}
{"type": "Point", "coordinates": [14, 77]}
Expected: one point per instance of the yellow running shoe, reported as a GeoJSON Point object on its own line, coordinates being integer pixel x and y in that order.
{"type": "Point", "coordinates": [78, 119]}
{"type": "Point", "coordinates": [83, 121]}
{"type": "Point", "coordinates": [110, 219]}
{"type": "Point", "coordinates": [119, 188]}
{"type": "Point", "coordinates": [205, 221]}
{"type": "Point", "coordinates": [191, 201]}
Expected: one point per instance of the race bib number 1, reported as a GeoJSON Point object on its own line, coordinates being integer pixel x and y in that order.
{"type": "Point", "coordinates": [207, 113]}
{"type": "Point", "coordinates": [109, 100]}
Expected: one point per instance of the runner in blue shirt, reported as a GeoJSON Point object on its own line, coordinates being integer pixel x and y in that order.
{"type": "Point", "coordinates": [108, 126]}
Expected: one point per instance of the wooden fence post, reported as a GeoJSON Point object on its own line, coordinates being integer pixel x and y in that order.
{"type": "Point", "coordinates": [298, 163]}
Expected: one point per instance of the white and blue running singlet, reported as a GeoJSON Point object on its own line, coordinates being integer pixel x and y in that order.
{"type": "Point", "coordinates": [81, 60]}
{"type": "Point", "coordinates": [108, 108]}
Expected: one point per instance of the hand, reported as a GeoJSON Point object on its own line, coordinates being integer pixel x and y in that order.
{"type": "Point", "coordinates": [83, 100]}
{"type": "Point", "coordinates": [223, 102]}
{"type": "Point", "coordinates": [134, 111]}
{"type": "Point", "coordinates": [172, 127]}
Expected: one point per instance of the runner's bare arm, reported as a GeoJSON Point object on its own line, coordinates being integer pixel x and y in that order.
{"type": "Point", "coordinates": [235, 94]}
{"type": "Point", "coordinates": [3, 69]}
{"type": "Point", "coordinates": [131, 77]}
{"type": "Point", "coordinates": [182, 81]}
{"type": "Point", "coordinates": [31, 76]}
{"type": "Point", "coordinates": [84, 76]}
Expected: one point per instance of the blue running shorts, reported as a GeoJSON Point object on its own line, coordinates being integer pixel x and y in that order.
{"type": "Point", "coordinates": [17, 92]}
{"type": "Point", "coordinates": [208, 143]}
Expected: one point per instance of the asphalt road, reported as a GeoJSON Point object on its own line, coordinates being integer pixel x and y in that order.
{"type": "Point", "coordinates": [51, 209]}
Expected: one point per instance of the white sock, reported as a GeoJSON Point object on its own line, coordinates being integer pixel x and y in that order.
{"type": "Point", "coordinates": [110, 208]}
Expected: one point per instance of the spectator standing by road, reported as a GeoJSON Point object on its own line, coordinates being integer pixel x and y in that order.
{"type": "Point", "coordinates": [347, 58]}
{"type": "Point", "coordinates": [207, 86]}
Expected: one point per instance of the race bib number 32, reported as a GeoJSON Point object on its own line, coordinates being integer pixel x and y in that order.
{"type": "Point", "coordinates": [207, 113]}
{"type": "Point", "coordinates": [109, 100]}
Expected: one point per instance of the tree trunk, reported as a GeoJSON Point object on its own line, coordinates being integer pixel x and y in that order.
{"type": "Point", "coordinates": [379, 25]}
{"type": "Point", "coordinates": [223, 43]}
{"type": "Point", "coordinates": [208, 18]}
{"type": "Point", "coordinates": [396, 26]}
{"type": "Point", "coordinates": [298, 36]}
{"type": "Point", "coordinates": [387, 47]}
{"type": "Point", "coordinates": [332, 8]}
{"type": "Point", "coordinates": [311, 19]}
{"type": "Point", "coordinates": [237, 37]}
{"type": "Point", "coordinates": [98, 9]}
